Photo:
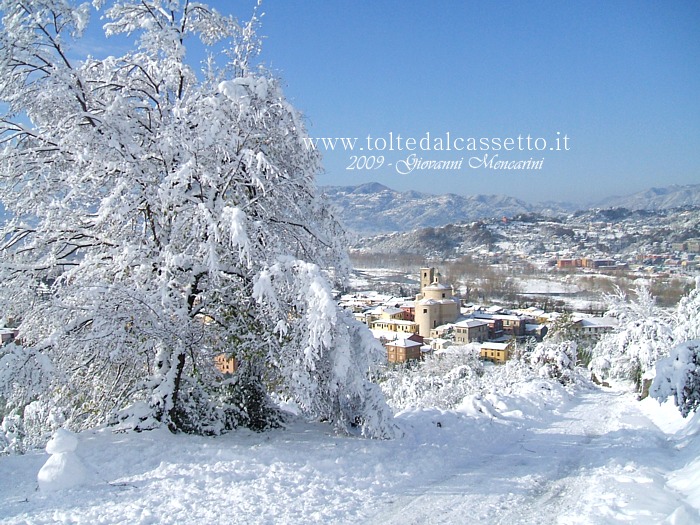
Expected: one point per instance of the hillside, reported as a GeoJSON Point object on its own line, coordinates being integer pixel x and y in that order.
{"type": "Point", "coordinates": [615, 232]}
{"type": "Point", "coordinates": [656, 198]}
{"type": "Point", "coordinates": [441, 241]}
{"type": "Point", "coordinates": [373, 208]}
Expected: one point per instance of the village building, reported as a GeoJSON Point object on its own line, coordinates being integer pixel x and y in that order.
{"type": "Point", "coordinates": [8, 335]}
{"type": "Point", "coordinates": [435, 304]}
{"type": "Point", "coordinates": [415, 337]}
{"type": "Point", "coordinates": [225, 363]}
{"type": "Point", "coordinates": [594, 327]}
{"type": "Point", "coordinates": [470, 331]}
{"type": "Point", "coordinates": [496, 352]}
{"type": "Point", "coordinates": [538, 331]}
{"type": "Point", "coordinates": [513, 325]}
{"type": "Point", "coordinates": [392, 319]}
{"type": "Point", "coordinates": [495, 325]}
{"type": "Point", "coordinates": [439, 343]}
{"type": "Point", "coordinates": [403, 350]}
{"type": "Point", "coordinates": [569, 263]}
{"type": "Point", "coordinates": [693, 245]}
{"type": "Point", "coordinates": [536, 315]}
{"type": "Point", "coordinates": [409, 309]}
{"type": "Point", "coordinates": [394, 325]}
{"type": "Point", "coordinates": [597, 263]}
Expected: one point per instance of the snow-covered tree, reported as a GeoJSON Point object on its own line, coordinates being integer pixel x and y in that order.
{"type": "Point", "coordinates": [440, 381]}
{"type": "Point", "coordinates": [643, 337]}
{"type": "Point", "coordinates": [553, 360]}
{"type": "Point", "coordinates": [678, 375]}
{"type": "Point", "coordinates": [687, 318]}
{"type": "Point", "coordinates": [160, 216]}
{"type": "Point", "coordinates": [563, 329]}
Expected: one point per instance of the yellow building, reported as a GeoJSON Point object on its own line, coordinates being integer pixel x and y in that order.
{"type": "Point", "coordinates": [395, 325]}
{"type": "Point", "coordinates": [496, 352]}
{"type": "Point", "coordinates": [435, 304]}
{"type": "Point", "coordinates": [225, 364]}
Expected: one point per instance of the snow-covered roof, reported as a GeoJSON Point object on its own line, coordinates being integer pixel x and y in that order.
{"type": "Point", "coordinates": [391, 310]}
{"type": "Point", "coordinates": [601, 322]}
{"type": "Point", "coordinates": [531, 311]}
{"type": "Point", "coordinates": [437, 286]}
{"type": "Point", "coordinates": [494, 346]}
{"type": "Point", "coordinates": [377, 310]}
{"type": "Point", "coordinates": [404, 343]}
{"type": "Point", "coordinates": [388, 335]}
{"type": "Point", "coordinates": [471, 323]}
{"type": "Point", "coordinates": [507, 317]}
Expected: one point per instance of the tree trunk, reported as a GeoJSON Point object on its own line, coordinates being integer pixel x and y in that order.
{"type": "Point", "coordinates": [172, 415]}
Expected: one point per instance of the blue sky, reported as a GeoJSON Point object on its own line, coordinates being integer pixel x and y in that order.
{"type": "Point", "coordinates": [620, 79]}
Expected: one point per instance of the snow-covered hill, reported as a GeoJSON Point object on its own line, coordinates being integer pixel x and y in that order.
{"type": "Point", "coordinates": [536, 455]}
{"type": "Point", "coordinates": [656, 198]}
{"type": "Point", "coordinates": [374, 208]}
{"type": "Point", "coordinates": [441, 241]}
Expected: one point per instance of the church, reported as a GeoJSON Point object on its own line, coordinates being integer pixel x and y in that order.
{"type": "Point", "coordinates": [436, 304]}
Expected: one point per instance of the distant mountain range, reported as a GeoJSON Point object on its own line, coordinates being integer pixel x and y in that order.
{"type": "Point", "coordinates": [656, 198]}
{"type": "Point", "coordinates": [373, 208]}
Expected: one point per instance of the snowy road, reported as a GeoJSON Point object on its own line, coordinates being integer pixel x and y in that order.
{"type": "Point", "coordinates": [536, 455]}
{"type": "Point", "coordinates": [600, 461]}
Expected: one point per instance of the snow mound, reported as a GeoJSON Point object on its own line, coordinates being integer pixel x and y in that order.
{"type": "Point", "coordinates": [63, 470]}
{"type": "Point", "coordinates": [62, 441]}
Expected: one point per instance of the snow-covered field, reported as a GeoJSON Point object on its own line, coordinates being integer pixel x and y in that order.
{"type": "Point", "coordinates": [539, 455]}
{"type": "Point", "coordinates": [546, 287]}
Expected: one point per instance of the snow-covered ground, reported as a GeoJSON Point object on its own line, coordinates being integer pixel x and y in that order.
{"type": "Point", "coordinates": [546, 287]}
{"type": "Point", "coordinates": [539, 455]}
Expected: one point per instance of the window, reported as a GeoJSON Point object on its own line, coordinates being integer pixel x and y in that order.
{"type": "Point", "coordinates": [443, 296]}
{"type": "Point", "coordinates": [425, 310]}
